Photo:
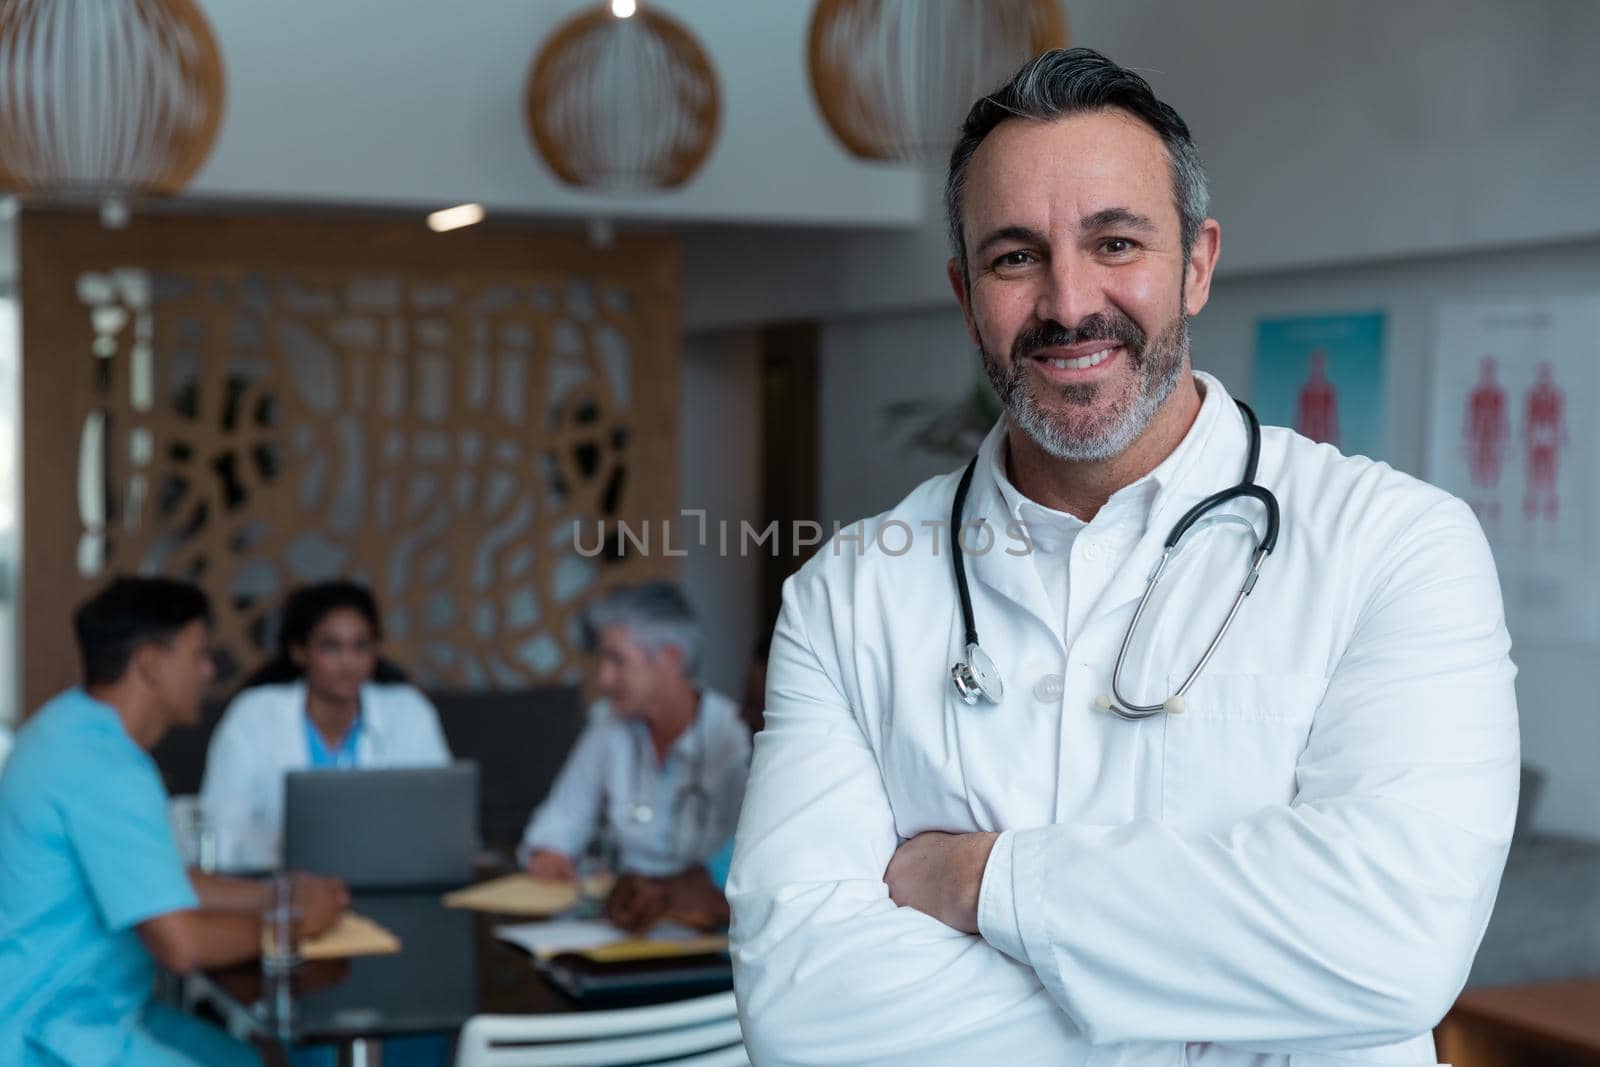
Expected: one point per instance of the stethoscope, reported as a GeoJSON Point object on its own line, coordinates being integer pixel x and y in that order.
{"type": "Point", "coordinates": [976, 675]}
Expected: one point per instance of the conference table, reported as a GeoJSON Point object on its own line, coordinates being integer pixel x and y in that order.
{"type": "Point", "coordinates": [450, 966]}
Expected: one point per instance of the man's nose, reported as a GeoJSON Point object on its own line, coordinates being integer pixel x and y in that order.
{"type": "Point", "coordinates": [1070, 292]}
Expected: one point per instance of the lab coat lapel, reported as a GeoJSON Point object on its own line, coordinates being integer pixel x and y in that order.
{"type": "Point", "coordinates": [1215, 462]}
{"type": "Point", "coordinates": [1000, 568]}
{"type": "Point", "coordinates": [374, 723]}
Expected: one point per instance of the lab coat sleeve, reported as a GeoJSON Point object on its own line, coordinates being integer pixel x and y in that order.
{"type": "Point", "coordinates": [566, 820]}
{"type": "Point", "coordinates": [231, 791]}
{"type": "Point", "coordinates": [1346, 918]}
{"type": "Point", "coordinates": [827, 969]}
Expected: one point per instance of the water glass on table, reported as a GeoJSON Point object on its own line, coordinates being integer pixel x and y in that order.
{"type": "Point", "coordinates": [596, 870]}
{"type": "Point", "coordinates": [281, 928]}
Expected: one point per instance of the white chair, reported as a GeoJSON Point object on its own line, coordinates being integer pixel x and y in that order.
{"type": "Point", "coordinates": [703, 1032]}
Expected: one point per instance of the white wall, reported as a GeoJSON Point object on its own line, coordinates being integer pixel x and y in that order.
{"type": "Point", "coordinates": [866, 364]}
{"type": "Point", "coordinates": [417, 102]}
{"type": "Point", "coordinates": [869, 362]}
{"type": "Point", "coordinates": [720, 453]}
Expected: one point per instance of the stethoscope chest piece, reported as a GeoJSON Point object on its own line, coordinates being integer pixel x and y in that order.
{"type": "Point", "coordinates": [976, 676]}
{"type": "Point", "coordinates": [641, 813]}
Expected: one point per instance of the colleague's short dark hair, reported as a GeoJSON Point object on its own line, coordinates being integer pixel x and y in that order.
{"type": "Point", "coordinates": [1071, 81]}
{"type": "Point", "coordinates": [128, 614]}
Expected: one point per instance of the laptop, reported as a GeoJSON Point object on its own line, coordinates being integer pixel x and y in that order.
{"type": "Point", "coordinates": [397, 828]}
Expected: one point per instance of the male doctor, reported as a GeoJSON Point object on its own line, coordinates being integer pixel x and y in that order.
{"type": "Point", "coordinates": [1291, 866]}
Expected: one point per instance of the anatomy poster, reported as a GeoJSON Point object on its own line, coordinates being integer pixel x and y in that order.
{"type": "Point", "coordinates": [1512, 432]}
{"type": "Point", "coordinates": [1323, 375]}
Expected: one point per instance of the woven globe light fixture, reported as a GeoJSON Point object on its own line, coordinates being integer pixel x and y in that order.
{"type": "Point", "coordinates": [894, 78]}
{"type": "Point", "coordinates": [625, 102]}
{"type": "Point", "coordinates": [106, 99]}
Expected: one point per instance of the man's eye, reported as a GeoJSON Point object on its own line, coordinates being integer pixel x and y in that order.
{"type": "Point", "coordinates": [1117, 246]}
{"type": "Point", "coordinates": [1014, 259]}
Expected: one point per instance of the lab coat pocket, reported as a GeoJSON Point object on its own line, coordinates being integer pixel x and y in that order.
{"type": "Point", "coordinates": [1234, 748]}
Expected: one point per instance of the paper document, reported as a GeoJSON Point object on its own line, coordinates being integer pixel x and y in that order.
{"type": "Point", "coordinates": [515, 894]}
{"type": "Point", "coordinates": [352, 935]}
{"type": "Point", "coordinates": [600, 941]}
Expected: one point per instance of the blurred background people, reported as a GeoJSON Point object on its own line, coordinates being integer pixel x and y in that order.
{"type": "Point", "coordinates": [694, 896]}
{"type": "Point", "coordinates": [660, 769]}
{"type": "Point", "coordinates": [93, 894]}
{"type": "Point", "coordinates": [320, 705]}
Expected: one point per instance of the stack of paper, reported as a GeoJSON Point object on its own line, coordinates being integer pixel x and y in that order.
{"type": "Point", "coordinates": [604, 943]}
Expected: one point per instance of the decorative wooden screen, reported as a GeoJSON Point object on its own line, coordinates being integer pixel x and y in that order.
{"type": "Point", "coordinates": [257, 403]}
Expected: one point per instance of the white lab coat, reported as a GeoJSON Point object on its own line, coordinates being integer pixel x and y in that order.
{"type": "Point", "coordinates": [694, 797]}
{"type": "Point", "coordinates": [262, 737]}
{"type": "Point", "coordinates": [1296, 871]}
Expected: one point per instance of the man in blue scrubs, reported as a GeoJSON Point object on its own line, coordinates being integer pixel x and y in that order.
{"type": "Point", "coordinates": [93, 894]}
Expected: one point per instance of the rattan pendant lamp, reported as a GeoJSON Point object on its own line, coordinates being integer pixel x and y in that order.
{"type": "Point", "coordinates": [622, 98]}
{"type": "Point", "coordinates": [106, 100]}
{"type": "Point", "coordinates": [894, 78]}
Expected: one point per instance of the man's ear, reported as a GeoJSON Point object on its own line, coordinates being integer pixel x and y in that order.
{"type": "Point", "coordinates": [672, 656]}
{"type": "Point", "coordinates": [144, 661]}
{"type": "Point", "coordinates": [1201, 266]}
{"type": "Point", "coordinates": [959, 286]}
{"type": "Point", "coordinates": [297, 656]}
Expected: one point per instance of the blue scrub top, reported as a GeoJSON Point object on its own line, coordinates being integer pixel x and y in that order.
{"type": "Point", "coordinates": [86, 854]}
{"type": "Point", "coordinates": [323, 758]}
{"type": "Point", "coordinates": [717, 866]}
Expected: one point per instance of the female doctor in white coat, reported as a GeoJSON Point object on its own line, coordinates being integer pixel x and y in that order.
{"type": "Point", "coordinates": [318, 705]}
{"type": "Point", "coordinates": [1284, 860]}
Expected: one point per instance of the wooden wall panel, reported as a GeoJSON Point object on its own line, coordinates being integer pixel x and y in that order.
{"type": "Point", "coordinates": [280, 400]}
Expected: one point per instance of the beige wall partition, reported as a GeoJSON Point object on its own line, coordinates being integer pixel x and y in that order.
{"type": "Point", "coordinates": [256, 402]}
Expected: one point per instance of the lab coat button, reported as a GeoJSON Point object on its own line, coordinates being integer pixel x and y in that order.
{"type": "Point", "coordinates": [1049, 687]}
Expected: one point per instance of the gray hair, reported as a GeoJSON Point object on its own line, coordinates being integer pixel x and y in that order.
{"type": "Point", "coordinates": [1073, 81]}
{"type": "Point", "coordinates": [657, 615]}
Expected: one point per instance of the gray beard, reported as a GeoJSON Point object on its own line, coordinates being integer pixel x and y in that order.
{"type": "Point", "coordinates": [1158, 366]}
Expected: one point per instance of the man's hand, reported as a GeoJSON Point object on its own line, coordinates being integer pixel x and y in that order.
{"type": "Point", "coordinates": [552, 866]}
{"type": "Point", "coordinates": [322, 901]}
{"type": "Point", "coordinates": [940, 874]}
{"type": "Point", "coordinates": [694, 900]}
{"type": "Point", "coordinates": [636, 903]}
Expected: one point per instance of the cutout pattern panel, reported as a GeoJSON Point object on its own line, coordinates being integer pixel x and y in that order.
{"type": "Point", "coordinates": [439, 436]}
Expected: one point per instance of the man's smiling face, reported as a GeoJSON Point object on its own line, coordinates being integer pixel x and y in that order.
{"type": "Point", "coordinates": [1076, 289]}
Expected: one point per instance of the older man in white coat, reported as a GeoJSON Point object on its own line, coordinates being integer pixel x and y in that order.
{"type": "Point", "coordinates": [1290, 865]}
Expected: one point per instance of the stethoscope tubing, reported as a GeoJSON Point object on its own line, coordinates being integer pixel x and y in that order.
{"type": "Point", "coordinates": [970, 686]}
